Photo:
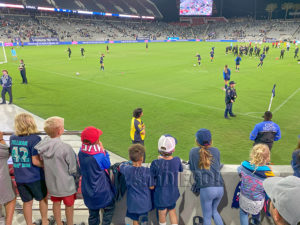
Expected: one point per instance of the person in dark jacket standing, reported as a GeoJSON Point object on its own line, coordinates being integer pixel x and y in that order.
{"type": "Point", "coordinates": [6, 83]}
{"type": "Point", "coordinates": [96, 186]}
{"type": "Point", "coordinates": [266, 132]}
{"type": "Point", "coordinates": [23, 71]}
{"type": "Point", "coordinates": [205, 165]}
{"type": "Point", "coordinates": [230, 99]}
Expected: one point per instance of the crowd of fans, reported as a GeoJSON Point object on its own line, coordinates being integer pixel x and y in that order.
{"type": "Point", "coordinates": [51, 167]}
{"type": "Point", "coordinates": [23, 27]}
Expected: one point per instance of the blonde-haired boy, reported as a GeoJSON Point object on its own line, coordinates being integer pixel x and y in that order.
{"type": "Point", "coordinates": [60, 167]}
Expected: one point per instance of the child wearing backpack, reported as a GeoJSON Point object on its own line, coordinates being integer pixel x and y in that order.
{"type": "Point", "coordinates": [253, 173]}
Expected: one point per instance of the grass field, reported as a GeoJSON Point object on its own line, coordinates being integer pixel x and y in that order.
{"type": "Point", "coordinates": [177, 97]}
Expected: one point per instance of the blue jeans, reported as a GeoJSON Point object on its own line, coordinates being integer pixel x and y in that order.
{"type": "Point", "coordinates": [94, 215]}
{"type": "Point", "coordinates": [244, 218]}
{"type": "Point", "coordinates": [228, 109]}
{"type": "Point", "coordinates": [210, 198]}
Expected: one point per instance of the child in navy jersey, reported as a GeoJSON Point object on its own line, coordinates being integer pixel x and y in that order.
{"type": "Point", "coordinates": [30, 179]}
{"type": "Point", "coordinates": [165, 170]}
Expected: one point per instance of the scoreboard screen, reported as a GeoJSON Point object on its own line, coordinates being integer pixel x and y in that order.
{"type": "Point", "coordinates": [196, 7]}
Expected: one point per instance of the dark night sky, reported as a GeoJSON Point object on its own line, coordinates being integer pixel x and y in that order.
{"type": "Point", "coordinates": [231, 8]}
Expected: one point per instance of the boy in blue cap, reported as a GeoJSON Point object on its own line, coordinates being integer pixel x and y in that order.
{"type": "Point", "coordinates": [165, 170]}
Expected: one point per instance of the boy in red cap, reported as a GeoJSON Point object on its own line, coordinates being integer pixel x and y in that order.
{"type": "Point", "coordinates": [96, 187]}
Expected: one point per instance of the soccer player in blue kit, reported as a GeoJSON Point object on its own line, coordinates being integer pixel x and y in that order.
{"type": "Point", "coordinates": [199, 58]}
{"type": "Point", "coordinates": [226, 76]}
{"type": "Point", "coordinates": [237, 63]}
{"type": "Point", "coordinates": [102, 62]}
{"type": "Point", "coordinates": [212, 53]}
{"type": "Point", "coordinates": [262, 57]}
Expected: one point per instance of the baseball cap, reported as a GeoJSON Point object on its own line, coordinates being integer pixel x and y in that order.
{"type": "Point", "coordinates": [167, 143]}
{"type": "Point", "coordinates": [284, 194]}
{"type": "Point", "coordinates": [268, 115]}
{"type": "Point", "coordinates": [203, 137]}
{"type": "Point", "coordinates": [91, 134]}
{"type": "Point", "coordinates": [231, 82]}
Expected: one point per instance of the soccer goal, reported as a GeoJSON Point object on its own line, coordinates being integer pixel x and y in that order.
{"type": "Point", "coordinates": [3, 58]}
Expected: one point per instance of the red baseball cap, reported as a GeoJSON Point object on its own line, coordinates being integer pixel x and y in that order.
{"type": "Point", "coordinates": [91, 134]}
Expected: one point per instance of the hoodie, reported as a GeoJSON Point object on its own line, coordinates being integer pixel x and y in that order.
{"type": "Point", "coordinates": [96, 187]}
{"type": "Point", "coordinates": [59, 165]}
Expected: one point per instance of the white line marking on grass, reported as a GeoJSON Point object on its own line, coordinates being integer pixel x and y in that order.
{"type": "Point", "coordinates": [144, 92]}
{"type": "Point", "coordinates": [248, 113]}
{"type": "Point", "coordinates": [285, 101]}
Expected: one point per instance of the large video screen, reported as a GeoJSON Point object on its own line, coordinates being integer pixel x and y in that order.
{"type": "Point", "coordinates": [196, 7]}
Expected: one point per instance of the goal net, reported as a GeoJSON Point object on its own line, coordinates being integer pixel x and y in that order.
{"type": "Point", "coordinates": [3, 58]}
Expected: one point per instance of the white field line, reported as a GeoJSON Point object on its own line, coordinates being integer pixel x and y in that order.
{"type": "Point", "coordinates": [286, 100]}
{"type": "Point", "coordinates": [144, 92]}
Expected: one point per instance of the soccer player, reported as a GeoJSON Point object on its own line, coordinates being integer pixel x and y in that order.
{"type": "Point", "coordinates": [147, 45]}
{"type": "Point", "coordinates": [227, 49]}
{"type": "Point", "coordinates": [282, 53]}
{"type": "Point", "coordinates": [199, 58]}
{"type": "Point", "coordinates": [82, 51]}
{"type": "Point", "coordinates": [251, 51]}
{"type": "Point", "coordinates": [262, 57]}
{"type": "Point", "coordinates": [296, 52]}
{"type": "Point", "coordinates": [257, 51]}
{"type": "Point", "coordinates": [226, 76]}
{"type": "Point", "coordinates": [14, 54]}
{"type": "Point", "coordinates": [212, 55]}
{"type": "Point", "coordinates": [237, 63]}
{"type": "Point", "coordinates": [102, 62]}
{"type": "Point", "coordinates": [69, 52]}
{"type": "Point", "coordinates": [267, 49]}
{"type": "Point", "coordinates": [107, 49]}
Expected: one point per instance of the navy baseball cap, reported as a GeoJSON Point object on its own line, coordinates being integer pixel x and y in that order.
{"type": "Point", "coordinates": [203, 137]}
{"type": "Point", "coordinates": [231, 82]}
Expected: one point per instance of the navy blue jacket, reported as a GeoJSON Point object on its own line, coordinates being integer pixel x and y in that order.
{"type": "Point", "coordinates": [96, 186]}
{"type": "Point", "coordinates": [230, 95]}
{"type": "Point", "coordinates": [6, 81]}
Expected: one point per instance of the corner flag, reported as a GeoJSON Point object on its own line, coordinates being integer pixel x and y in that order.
{"type": "Point", "coordinates": [273, 90]}
{"type": "Point", "coordinates": [272, 96]}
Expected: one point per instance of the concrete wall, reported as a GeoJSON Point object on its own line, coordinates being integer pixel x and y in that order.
{"type": "Point", "coordinates": [189, 205]}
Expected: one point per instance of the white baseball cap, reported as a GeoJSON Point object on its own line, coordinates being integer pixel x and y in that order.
{"type": "Point", "coordinates": [284, 194]}
{"type": "Point", "coordinates": [167, 143]}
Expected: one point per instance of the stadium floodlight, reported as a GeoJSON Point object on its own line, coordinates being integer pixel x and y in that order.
{"type": "Point", "coordinates": [4, 59]}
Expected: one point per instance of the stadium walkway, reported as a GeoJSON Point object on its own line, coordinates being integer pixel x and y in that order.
{"type": "Point", "coordinates": [7, 115]}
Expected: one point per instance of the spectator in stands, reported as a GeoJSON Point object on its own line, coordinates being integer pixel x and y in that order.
{"type": "Point", "coordinates": [296, 160]}
{"type": "Point", "coordinates": [59, 161]}
{"type": "Point", "coordinates": [165, 170]}
{"type": "Point", "coordinates": [205, 164]}
{"type": "Point", "coordinates": [253, 173]}
{"type": "Point", "coordinates": [266, 132]}
{"type": "Point", "coordinates": [96, 185]}
{"type": "Point", "coordinates": [30, 179]}
{"type": "Point", "coordinates": [139, 182]}
{"type": "Point", "coordinates": [285, 198]}
{"type": "Point", "coordinates": [7, 197]}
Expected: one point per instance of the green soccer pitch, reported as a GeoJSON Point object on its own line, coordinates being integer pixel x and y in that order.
{"type": "Point", "coordinates": [177, 97]}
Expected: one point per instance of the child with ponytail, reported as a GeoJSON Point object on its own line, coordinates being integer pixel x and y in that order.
{"type": "Point", "coordinates": [205, 164]}
{"type": "Point", "coordinates": [252, 194]}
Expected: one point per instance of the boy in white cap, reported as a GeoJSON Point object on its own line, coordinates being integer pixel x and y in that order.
{"type": "Point", "coordinates": [285, 199]}
{"type": "Point", "coordinates": [165, 170]}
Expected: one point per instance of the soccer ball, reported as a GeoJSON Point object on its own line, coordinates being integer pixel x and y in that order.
{"type": "Point", "coordinates": [77, 73]}
{"type": "Point", "coordinates": [194, 64]}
